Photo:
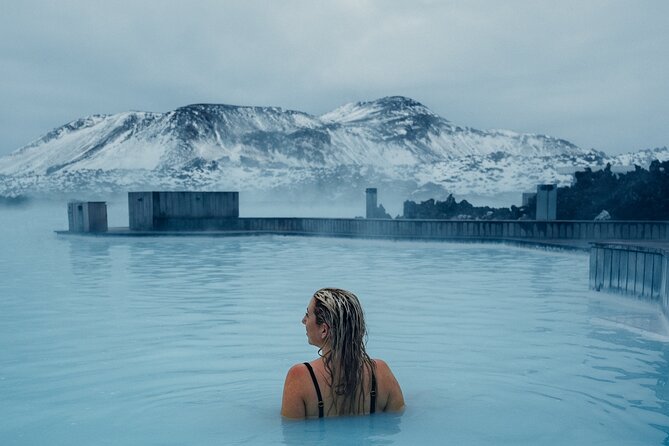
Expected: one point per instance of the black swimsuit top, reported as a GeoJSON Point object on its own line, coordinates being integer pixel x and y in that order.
{"type": "Point", "coordinates": [372, 402]}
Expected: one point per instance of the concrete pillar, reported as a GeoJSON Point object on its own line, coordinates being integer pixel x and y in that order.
{"type": "Point", "coordinates": [546, 202]}
{"type": "Point", "coordinates": [371, 202]}
{"type": "Point", "coordinates": [87, 216]}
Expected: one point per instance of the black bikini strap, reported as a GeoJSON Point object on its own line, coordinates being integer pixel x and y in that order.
{"type": "Point", "coordinates": [318, 389]}
{"type": "Point", "coordinates": [372, 402]}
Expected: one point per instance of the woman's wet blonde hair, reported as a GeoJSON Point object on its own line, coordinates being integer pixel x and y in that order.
{"type": "Point", "coordinates": [347, 360]}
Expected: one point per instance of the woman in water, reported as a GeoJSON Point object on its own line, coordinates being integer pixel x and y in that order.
{"type": "Point", "coordinates": [351, 381]}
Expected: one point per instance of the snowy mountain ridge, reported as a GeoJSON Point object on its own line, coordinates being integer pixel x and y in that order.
{"type": "Point", "coordinates": [394, 140]}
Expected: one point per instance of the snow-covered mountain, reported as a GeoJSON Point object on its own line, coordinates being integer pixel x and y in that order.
{"type": "Point", "coordinates": [392, 142]}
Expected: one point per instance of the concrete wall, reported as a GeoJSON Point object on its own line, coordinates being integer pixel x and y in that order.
{"type": "Point", "coordinates": [371, 199]}
{"type": "Point", "coordinates": [87, 216]}
{"type": "Point", "coordinates": [546, 202]}
{"type": "Point", "coordinates": [147, 213]}
{"type": "Point", "coordinates": [181, 210]}
{"type": "Point", "coordinates": [140, 211]}
{"type": "Point", "coordinates": [636, 270]}
{"type": "Point", "coordinates": [664, 287]}
{"type": "Point", "coordinates": [498, 229]}
{"type": "Point", "coordinates": [75, 216]}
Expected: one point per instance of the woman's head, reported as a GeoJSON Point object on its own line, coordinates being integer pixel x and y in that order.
{"type": "Point", "coordinates": [341, 313]}
{"type": "Point", "coordinates": [337, 327]}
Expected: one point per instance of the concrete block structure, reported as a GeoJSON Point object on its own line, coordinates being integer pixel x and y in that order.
{"type": "Point", "coordinates": [151, 211]}
{"type": "Point", "coordinates": [87, 216]}
{"type": "Point", "coordinates": [527, 196]}
{"type": "Point", "coordinates": [546, 202]}
{"type": "Point", "coordinates": [371, 202]}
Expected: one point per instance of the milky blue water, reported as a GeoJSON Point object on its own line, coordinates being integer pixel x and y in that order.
{"type": "Point", "coordinates": [148, 341]}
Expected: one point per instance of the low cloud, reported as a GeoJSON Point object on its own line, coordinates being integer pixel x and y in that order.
{"type": "Point", "coordinates": [592, 72]}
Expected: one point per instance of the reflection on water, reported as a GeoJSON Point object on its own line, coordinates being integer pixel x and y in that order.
{"type": "Point", "coordinates": [377, 429]}
{"type": "Point", "coordinates": [634, 333]}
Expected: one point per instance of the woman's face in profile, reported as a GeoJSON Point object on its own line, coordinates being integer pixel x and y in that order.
{"type": "Point", "coordinates": [314, 330]}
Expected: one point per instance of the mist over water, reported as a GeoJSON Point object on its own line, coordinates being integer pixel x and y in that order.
{"type": "Point", "coordinates": [258, 205]}
{"type": "Point", "coordinates": [262, 204]}
{"type": "Point", "coordinates": [181, 340]}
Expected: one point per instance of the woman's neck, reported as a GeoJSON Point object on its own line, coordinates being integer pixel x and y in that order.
{"type": "Point", "coordinates": [324, 351]}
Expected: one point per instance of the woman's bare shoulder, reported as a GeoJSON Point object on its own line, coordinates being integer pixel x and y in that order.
{"type": "Point", "coordinates": [292, 405]}
{"type": "Point", "coordinates": [389, 386]}
{"type": "Point", "coordinates": [381, 366]}
{"type": "Point", "coordinates": [383, 371]}
{"type": "Point", "coordinates": [297, 371]}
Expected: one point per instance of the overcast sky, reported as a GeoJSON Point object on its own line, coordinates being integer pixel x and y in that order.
{"type": "Point", "coordinates": [592, 72]}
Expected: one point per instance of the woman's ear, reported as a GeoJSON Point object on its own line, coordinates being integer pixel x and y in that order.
{"type": "Point", "coordinates": [325, 330]}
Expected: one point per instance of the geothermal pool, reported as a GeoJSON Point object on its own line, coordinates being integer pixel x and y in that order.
{"type": "Point", "coordinates": [187, 341]}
